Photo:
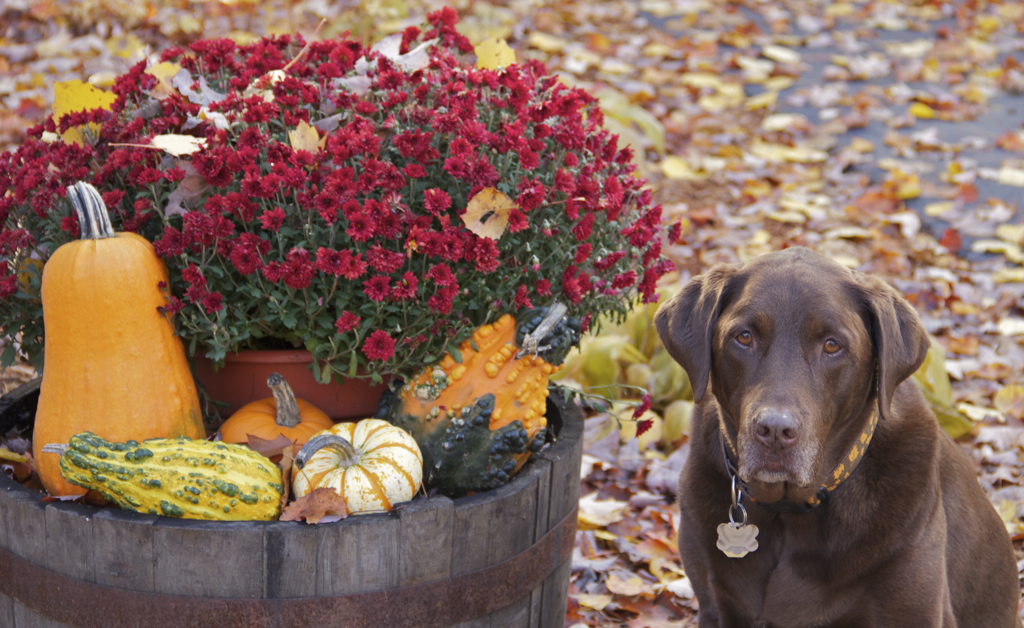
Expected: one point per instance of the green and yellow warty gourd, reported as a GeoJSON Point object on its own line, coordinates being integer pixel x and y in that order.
{"type": "Point", "coordinates": [176, 477]}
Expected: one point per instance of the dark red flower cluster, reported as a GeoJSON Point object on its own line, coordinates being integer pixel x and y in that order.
{"type": "Point", "coordinates": [326, 205]}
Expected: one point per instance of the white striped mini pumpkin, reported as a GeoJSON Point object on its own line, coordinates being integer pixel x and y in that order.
{"type": "Point", "coordinates": [371, 464]}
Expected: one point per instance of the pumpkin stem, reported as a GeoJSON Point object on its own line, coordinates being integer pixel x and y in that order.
{"type": "Point", "coordinates": [531, 343]}
{"type": "Point", "coordinates": [349, 454]}
{"type": "Point", "coordinates": [287, 408]}
{"type": "Point", "coordinates": [93, 219]}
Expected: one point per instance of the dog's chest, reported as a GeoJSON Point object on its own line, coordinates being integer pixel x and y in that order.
{"type": "Point", "coordinates": [787, 580]}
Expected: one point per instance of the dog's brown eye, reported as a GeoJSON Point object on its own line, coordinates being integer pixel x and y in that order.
{"type": "Point", "coordinates": [745, 338]}
{"type": "Point", "coordinates": [831, 346]}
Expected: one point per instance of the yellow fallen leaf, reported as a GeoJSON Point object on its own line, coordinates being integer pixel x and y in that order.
{"type": "Point", "coordinates": [1007, 510]}
{"type": "Point", "coordinates": [103, 79]}
{"type": "Point", "coordinates": [487, 213]}
{"type": "Point", "coordinates": [757, 188]}
{"type": "Point", "coordinates": [780, 152]}
{"type": "Point", "coordinates": [494, 54]}
{"type": "Point", "coordinates": [545, 42]}
{"type": "Point", "coordinates": [1013, 252]}
{"type": "Point", "coordinates": [596, 602]}
{"type": "Point", "coordinates": [125, 46]}
{"type": "Point", "coordinates": [1008, 275]}
{"type": "Point", "coordinates": [781, 121]}
{"type": "Point", "coordinates": [861, 145]}
{"type": "Point", "coordinates": [304, 137]}
{"type": "Point", "coordinates": [780, 54]}
{"type": "Point", "coordinates": [178, 145]}
{"type": "Point", "coordinates": [677, 169]}
{"type": "Point", "coordinates": [1011, 176]}
{"type": "Point", "coordinates": [907, 186]}
{"type": "Point", "coordinates": [1011, 326]}
{"type": "Point", "coordinates": [921, 110]}
{"type": "Point", "coordinates": [630, 586]}
{"type": "Point", "coordinates": [787, 216]}
{"type": "Point", "coordinates": [1010, 400]}
{"type": "Point", "coordinates": [595, 514]}
{"type": "Point", "coordinates": [6, 454]}
{"type": "Point", "coordinates": [702, 79]}
{"type": "Point", "coordinates": [1011, 233]}
{"type": "Point", "coordinates": [243, 38]}
{"type": "Point", "coordinates": [938, 208]}
{"type": "Point", "coordinates": [979, 413]}
{"type": "Point", "coordinates": [765, 99]}
{"type": "Point", "coordinates": [839, 9]}
{"type": "Point", "coordinates": [163, 73]}
{"type": "Point", "coordinates": [74, 96]}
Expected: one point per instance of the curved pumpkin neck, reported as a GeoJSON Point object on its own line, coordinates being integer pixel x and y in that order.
{"type": "Point", "coordinates": [286, 407]}
{"type": "Point", "coordinates": [93, 219]}
{"type": "Point", "coordinates": [349, 455]}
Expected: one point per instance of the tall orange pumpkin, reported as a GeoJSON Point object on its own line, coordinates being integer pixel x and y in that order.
{"type": "Point", "coordinates": [113, 364]}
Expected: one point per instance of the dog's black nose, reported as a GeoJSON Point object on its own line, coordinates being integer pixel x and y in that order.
{"type": "Point", "coordinates": [777, 428]}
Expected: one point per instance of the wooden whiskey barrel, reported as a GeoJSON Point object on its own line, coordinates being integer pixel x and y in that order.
{"type": "Point", "coordinates": [497, 559]}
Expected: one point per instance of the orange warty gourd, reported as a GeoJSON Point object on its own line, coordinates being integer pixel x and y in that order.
{"type": "Point", "coordinates": [478, 421]}
{"type": "Point", "coordinates": [280, 415]}
{"type": "Point", "coordinates": [113, 364]}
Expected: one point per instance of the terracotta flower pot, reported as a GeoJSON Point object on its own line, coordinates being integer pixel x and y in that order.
{"type": "Point", "coordinates": [244, 379]}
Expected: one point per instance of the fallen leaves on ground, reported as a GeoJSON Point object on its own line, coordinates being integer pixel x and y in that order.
{"type": "Point", "coordinates": [886, 135]}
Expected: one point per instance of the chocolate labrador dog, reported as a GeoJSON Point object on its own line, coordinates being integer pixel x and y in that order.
{"type": "Point", "coordinates": [820, 490]}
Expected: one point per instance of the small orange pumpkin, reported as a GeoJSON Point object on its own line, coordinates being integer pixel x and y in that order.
{"type": "Point", "coordinates": [280, 415]}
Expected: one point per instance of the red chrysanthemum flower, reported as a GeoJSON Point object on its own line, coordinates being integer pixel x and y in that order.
{"type": "Point", "coordinates": [376, 288]}
{"type": "Point", "coordinates": [360, 227]}
{"type": "Point", "coordinates": [213, 302]}
{"type": "Point", "coordinates": [444, 299]}
{"type": "Point", "coordinates": [436, 201]}
{"type": "Point", "coordinates": [298, 269]}
{"type": "Point", "coordinates": [379, 346]}
{"type": "Point", "coordinates": [383, 260]}
{"type": "Point", "coordinates": [624, 280]}
{"type": "Point", "coordinates": [405, 289]}
{"type": "Point", "coordinates": [346, 322]}
{"type": "Point", "coordinates": [583, 253]}
{"type": "Point", "coordinates": [352, 266]}
{"type": "Point", "coordinates": [442, 275]}
{"type": "Point", "coordinates": [331, 262]}
{"type": "Point", "coordinates": [521, 300]}
{"type": "Point", "coordinates": [273, 272]}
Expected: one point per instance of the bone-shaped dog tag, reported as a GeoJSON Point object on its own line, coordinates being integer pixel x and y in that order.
{"type": "Point", "coordinates": [736, 540]}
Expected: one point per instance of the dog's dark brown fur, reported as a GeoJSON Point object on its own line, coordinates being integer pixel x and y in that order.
{"type": "Point", "coordinates": [909, 539]}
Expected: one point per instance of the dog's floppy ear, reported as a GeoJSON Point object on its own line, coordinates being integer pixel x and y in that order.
{"type": "Point", "coordinates": [901, 343]}
{"type": "Point", "coordinates": [687, 321]}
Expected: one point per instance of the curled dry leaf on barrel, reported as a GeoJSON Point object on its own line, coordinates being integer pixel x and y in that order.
{"type": "Point", "coordinates": [322, 505]}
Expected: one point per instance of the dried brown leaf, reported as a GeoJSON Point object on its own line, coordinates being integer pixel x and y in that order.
{"type": "Point", "coordinates": [321, 504]}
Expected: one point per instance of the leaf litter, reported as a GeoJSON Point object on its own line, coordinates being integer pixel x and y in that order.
{"type": "Point", "coordinates": [882, 134]}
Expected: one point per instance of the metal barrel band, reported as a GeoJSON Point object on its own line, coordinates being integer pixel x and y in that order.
{"type": "Point", "coordinates": [432, 604]}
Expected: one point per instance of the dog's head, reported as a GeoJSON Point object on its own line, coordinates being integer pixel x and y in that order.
{"type": "Point", "coordinates": [796, 350]}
